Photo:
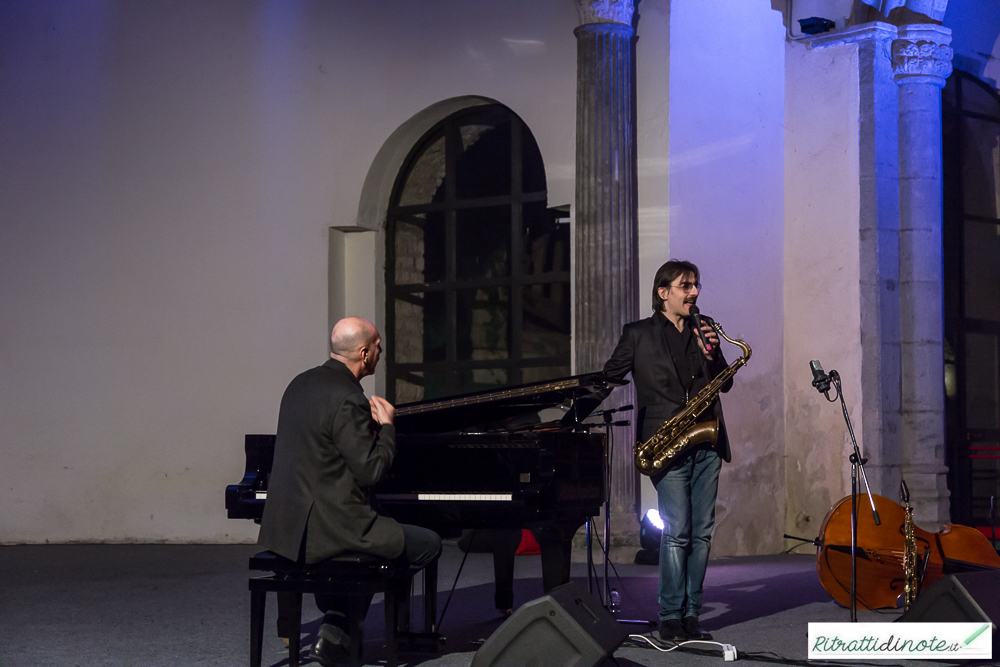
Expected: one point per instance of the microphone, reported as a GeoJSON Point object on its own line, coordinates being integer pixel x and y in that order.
{"type": "Point", "coordinates": [820, 379]}
{"type": "Point", "coordinates": [611, 411]}
{"type": "Point", "coordinates": [696, 317]}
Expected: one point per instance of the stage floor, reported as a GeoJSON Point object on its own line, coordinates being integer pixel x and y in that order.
{"type": "Point", "coordinates": [173, 605]}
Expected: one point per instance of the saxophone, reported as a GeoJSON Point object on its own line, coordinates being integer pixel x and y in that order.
{"type": "Point", "coordinates": [682, 431]}
{"type": "Point", "coordinates": [909, 550]}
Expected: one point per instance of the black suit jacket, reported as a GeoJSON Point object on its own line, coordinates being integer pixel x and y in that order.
{"type": "Point", "coordinates": [642, 351]}
{"type": "Point", "coordinates": [326, 455]}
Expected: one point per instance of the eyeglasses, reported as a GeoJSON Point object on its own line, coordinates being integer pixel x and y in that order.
{"type": "Point", "coordinates": [687, 287]}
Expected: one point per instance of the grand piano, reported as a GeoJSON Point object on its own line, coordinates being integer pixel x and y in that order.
{"type": "Point", "coordinates": [491, 459]}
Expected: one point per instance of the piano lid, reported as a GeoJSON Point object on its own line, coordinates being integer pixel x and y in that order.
{"type": "Point", "coordinates": [496, 409]}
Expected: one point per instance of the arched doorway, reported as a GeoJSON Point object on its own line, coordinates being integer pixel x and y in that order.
{"type": "Point", "coordinates": [477, 281]}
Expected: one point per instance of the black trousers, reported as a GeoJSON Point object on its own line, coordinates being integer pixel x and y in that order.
{"type": "Point", "coordinates": [421, 547]}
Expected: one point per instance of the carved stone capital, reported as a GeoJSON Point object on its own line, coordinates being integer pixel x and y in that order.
{"type": "Point", "coordinates": [605, 11]}
{"type": "Point", "coordinates": [922, 54]}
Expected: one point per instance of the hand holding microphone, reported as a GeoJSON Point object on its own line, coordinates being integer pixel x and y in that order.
{"type": "Point", "coordinates": [709, 343]}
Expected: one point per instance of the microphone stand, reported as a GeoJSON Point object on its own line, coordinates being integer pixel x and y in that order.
{"type": "Point", "coordinates": [857, 464]}
{"type": "Point", "coordinates": [606, 424]}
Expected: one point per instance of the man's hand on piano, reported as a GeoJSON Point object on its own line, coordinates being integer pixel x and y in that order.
{"type": "Point", "coordinates": [382, 410]}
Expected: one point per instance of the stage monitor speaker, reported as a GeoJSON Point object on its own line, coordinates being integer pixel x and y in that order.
{"type": "Point", "coordinates": [970, 597]}
{"type": "Point", "coordinates": [566, 627]}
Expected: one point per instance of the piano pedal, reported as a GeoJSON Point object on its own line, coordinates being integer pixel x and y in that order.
{"type": "Point", "coordinates": [420, 642]}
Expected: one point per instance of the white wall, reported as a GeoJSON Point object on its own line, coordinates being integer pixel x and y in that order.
{"type": "Point", "coordinates": [169, 174]}
{"type": "Point", "coordinates": [822, 264]}
{"type": "Point", "coordinates": [727, 84]}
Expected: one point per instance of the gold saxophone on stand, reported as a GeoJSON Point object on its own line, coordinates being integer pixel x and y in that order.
{"type": "Point", "coordinates": [682, 431]}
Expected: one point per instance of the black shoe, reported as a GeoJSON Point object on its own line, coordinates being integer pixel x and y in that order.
{"type": "Point", "coordinates": [332, 647]}
{"type": "Point", "coordinates": [694, 629]}
{"type": "Point", "coordinates": [672, 631]}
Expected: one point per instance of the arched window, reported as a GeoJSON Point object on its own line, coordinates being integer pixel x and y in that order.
{"type": "Point", "coordinates": [971, 129]}
{"type": "Point", "coordinates": [477, 266]}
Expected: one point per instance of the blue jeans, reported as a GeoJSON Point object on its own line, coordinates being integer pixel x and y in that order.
{"type": "Point", "coordinates": [686, 498]}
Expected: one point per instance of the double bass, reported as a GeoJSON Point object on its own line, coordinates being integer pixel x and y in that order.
{"type": "Point", "coordinates": [880, 574]}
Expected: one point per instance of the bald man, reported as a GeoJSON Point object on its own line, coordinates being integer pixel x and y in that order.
{"type": "Point", "coordinates": [332, 444]}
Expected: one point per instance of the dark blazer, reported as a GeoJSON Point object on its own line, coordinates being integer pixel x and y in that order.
{"type": "Point", "coordinates": [326, 454]}
{"type": "Point", "coordinates": [642, 351]}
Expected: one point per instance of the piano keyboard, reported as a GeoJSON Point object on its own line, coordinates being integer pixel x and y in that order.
{"type": "Point", "coordinates": [503, 497]}
{"type": "Point", "coordinates": [450, 497]}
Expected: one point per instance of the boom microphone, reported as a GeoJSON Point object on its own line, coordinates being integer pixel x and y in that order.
{"type": "Point", "coordinates": [820, 379]}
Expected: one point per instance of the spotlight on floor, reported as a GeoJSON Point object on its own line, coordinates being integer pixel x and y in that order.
{"type": "Point", "coordinates": [650, 529]}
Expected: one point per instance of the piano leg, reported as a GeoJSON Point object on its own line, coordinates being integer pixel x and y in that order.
{"type": "Point", "coordinates": [556, 542]}
{"type": "Point", "coordinates": [504, 543]}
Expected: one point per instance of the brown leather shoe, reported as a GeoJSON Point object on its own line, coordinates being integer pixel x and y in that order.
{"type": "Point", "coordinates": [694, 629]}
{"type": "Point", "coordinates": [672, 631]}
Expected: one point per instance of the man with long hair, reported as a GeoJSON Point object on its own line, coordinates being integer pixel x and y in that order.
{"type": "Point", "coordinates": [669, 366]}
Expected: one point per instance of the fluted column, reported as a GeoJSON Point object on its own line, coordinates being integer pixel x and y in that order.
{"type": "Point", "coordinates": [921, 60]}
{"type": "Point", "coordinates": [606, 268]}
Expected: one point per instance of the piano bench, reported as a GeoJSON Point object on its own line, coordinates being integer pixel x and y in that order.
{"type": "Point", "coordinates": [354, 575]}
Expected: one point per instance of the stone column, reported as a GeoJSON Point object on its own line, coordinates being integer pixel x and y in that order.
{"type": "Point", "coordinates": [921, 61]}
{"type": "Point", "coordinates": [606, 262]}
